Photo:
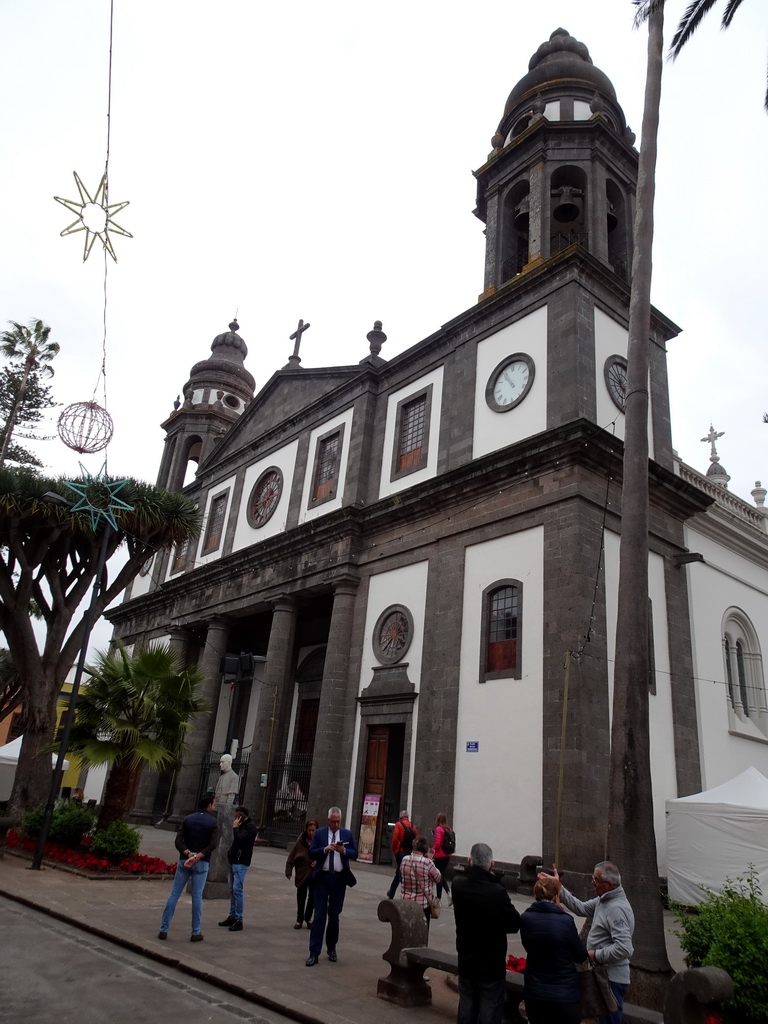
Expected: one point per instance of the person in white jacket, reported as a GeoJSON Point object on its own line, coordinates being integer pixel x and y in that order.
{"type": "Point", "coordinates": [609, 942]}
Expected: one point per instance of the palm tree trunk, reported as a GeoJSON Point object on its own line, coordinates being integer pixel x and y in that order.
{"type": "Point", "coordinates": [119, 793]}
{"type": "Point", "coordinates": [29, 362]}
{"type": "Point", "coordinates": [631, 839]}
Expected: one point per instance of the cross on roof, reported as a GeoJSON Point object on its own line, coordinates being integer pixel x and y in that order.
{"type": "Point", "coordinates": [710, 439]}
{"type": "Point", "coordinates": [295, 359]}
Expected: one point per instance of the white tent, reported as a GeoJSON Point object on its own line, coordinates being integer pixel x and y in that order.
{"type": "Point", "coordinates": [716, 835]}
{"type": "Point", "coordinates": [9, 758]}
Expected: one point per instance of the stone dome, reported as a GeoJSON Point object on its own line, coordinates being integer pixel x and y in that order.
{"type": "Point", "coordinates": [561, 58]}
{"type": "Point", "coordinates": [560, 66]}
{"type": "Point", "coordinates": [225, 364]}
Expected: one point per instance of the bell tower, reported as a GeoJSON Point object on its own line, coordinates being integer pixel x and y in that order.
{"type": "Point", "coordinates": [217, 393]}
{"type": "Point", "coordinates": [563, 169]}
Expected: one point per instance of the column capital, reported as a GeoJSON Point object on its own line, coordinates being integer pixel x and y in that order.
{"type": "Point", "coordinates": [180, 632]}
{"type": "Point", "coordinates": [346, 584]}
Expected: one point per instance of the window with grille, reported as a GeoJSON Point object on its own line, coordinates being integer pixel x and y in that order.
{"type": "Point", "coordinates": [325, 476]}
{"type": "Point", "coordinates": [412, 433]}
{"type": "Point", "coordinates": [180, 556]}
{"type": "Point", "coordinates": [215, 528]}
{"type": "Point", "coordinates": [500, 647]}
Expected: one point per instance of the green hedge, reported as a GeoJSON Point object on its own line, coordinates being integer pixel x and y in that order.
{"type": "Point", "coordinates": [69, 823]}
{"type": "Point", "coordinates": [116, 842]}
{"type": "Point", "coordinates": [730, 930]}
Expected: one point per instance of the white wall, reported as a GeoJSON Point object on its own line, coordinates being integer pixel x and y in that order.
{"type": "Point", "coordinates": [494, 430]}
{"type": "Point", "coordinates": [724, 580]}
{"type": "Point", "coordinates": [305, 514]}
{"type": "Point", "coordinates": [408, 587]}
{"type": "Point", "coordinates": [285, 461]}
{"type": "Point", "coordinates": [498, 789]}
{"type": "Point", "coordinates": [611, 339]}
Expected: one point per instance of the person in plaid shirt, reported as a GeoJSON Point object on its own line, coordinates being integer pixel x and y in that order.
{"type": "Point", "coordinates": [418, 873]}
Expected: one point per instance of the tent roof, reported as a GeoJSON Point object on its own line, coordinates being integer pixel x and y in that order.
{"type": "Point", "coordinates": [747, 792]}
{"type": "Point", "coordinates": [9, 754]}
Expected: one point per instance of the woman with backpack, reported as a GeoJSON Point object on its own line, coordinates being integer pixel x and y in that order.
{"type": "Point", "coordinates": [445, 846]}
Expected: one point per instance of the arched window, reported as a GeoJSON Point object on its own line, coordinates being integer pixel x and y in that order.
{"type": "Point", "coordinates": [744, 669]}
{"type": "Point", "coordinates": [515, 231]}
{"type": "Point", "coordinates": [501, 638]}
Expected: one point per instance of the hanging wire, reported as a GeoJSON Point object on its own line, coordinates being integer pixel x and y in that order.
{"type": "Point", "coordinates": [102, 375]}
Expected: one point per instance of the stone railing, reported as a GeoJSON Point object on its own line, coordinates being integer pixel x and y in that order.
{"type": "Point", "coordinates": [725, 500]}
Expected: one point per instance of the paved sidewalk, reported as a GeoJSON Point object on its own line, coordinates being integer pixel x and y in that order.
{"type": "Point", "coordinates": [266, 960]}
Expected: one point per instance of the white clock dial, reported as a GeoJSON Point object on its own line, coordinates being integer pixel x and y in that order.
{"type": "Point", "coordinates": [510, 382]}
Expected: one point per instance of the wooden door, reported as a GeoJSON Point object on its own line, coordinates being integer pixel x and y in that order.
{"type": "Point", "coordinates": [307, 726]}
{"type": "Point", "coordinates": [376, 770]}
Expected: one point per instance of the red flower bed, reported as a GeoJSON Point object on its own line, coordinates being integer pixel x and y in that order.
{"type": "Point", "coordinates": [84, 861]}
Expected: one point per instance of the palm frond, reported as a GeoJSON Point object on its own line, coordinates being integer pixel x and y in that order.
{"type": "Point", "coordinates": [690, 21]}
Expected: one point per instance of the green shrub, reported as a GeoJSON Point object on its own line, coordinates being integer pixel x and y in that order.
{"type": "Point", "coordinates": [69, 823]}
{"type": "Point", "coordinates": [116, 842]}
{"type": "Point", "coordinates": [730, 930]}
{"type": "Point", "coordinates": [32, 822]}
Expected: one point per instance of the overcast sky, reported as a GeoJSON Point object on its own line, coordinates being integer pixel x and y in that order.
{"type": "Point", "coordinates": [314, 160]}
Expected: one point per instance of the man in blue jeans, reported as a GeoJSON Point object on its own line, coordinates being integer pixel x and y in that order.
{"type": "Point", "coordinates": [609, 942]}
{"type": "Point", "coordinates": [239, 857]}
{"type": "Point", "coordinates": [195, 841]}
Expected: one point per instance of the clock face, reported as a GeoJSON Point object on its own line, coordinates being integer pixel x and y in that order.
{"type": "Point", "coordinates": [616, 380]}
{"type": "Point", "coordinates": [510, 382]}
{"type": "Point", "coordinates": [393, 634]}
{"type": "Point", "coordinates": [265, 497]}
{"type": "Point", "coordinates": [144, 570]}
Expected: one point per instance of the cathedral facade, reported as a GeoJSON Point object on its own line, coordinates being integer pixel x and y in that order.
{"type": "Point", "coordinates": [404, 591]}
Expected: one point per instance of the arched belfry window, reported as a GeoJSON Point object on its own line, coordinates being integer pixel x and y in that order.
{"type": "Point", "coordinates": [515, 228]}
{"type": "Point", "coordinates": [618, 250]}
{"type": "Point", "coordinates": [568, 209]}
{"type": "Point", "coordinates": [744, 679]}
{"type": "Point", "coordinates": [194, 448]}
{"type": "Point", "coordinates": [501, 634]}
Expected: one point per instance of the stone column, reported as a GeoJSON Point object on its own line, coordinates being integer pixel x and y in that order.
{"type": "Point", "coordinates": [538, 204]}
{"type": "Point", "coordinates": [492, 242]}
{"type": "Point", "coordinates": [331, 761]}
{"type": "Point", "coordinates": [199, 741]}
{"type": "Point", "coordinates": [179, 637]}
{"type": "Point", "coordinates": [278, 680]}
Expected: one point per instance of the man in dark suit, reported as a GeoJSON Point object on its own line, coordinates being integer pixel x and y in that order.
{"type": "Point", "coordinates": [332, 849]}
{"type": "Point", "coordinates": [484, 916]}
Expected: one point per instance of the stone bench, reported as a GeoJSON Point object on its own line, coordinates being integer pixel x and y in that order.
{"type": "Point", "coordinates": [693, 995]}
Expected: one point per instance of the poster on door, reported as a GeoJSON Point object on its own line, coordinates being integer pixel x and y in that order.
{"type": "Point", "coordinates": [371, 808]}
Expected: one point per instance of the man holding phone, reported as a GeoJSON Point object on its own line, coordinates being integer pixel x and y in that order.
{"type": "Point", "coordinates": [332, 848]}
{"type": "Point", "coordinates": [239, 857]}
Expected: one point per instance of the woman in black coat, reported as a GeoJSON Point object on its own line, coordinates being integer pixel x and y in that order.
{"type": "Point", "coordinates": [553, 948]}
{"type": "Point", "coordinates": [298, 861]}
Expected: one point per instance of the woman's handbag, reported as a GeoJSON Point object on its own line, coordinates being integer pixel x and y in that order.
{"type": "Point", "coordinates": [597, 1000]}
{"type": "Point", "coordinates": [434, 906]}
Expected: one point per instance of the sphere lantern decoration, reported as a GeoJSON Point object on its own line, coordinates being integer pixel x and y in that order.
{"type": "Point", "coordinates": [85, 427]}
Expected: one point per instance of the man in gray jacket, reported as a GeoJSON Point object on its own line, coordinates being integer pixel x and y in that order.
{"type": "Point", "coordinates": [609, 942]}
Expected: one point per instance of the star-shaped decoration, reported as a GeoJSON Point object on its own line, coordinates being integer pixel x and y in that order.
{"type": "Point", "coordinates": [105, 512]}
{"type": "Point", "coordinates": [94, 217]}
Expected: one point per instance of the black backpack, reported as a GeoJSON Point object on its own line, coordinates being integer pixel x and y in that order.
{"type": "Point", "coordinates": [449, 840]}
{"type": "Point", "coordinates": [409, 835]}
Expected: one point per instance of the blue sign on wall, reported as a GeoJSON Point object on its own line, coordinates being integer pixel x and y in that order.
{"type": "Point", "coordinates": [473, 746]}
